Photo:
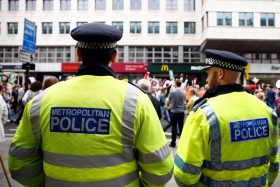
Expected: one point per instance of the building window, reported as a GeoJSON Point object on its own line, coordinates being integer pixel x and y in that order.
{"type": "Point", "coordinates": [53, 54]}
{"type": "Point", "coordinates": [246, 19]}
{"type": "Point", "coordinates": [13, 5]}
{"type": "Point", "coordinates": [153, 5]}
{"type": "Point", "coordinates": [189, 27]}
{"type": "Point", "coordinates": [153, 27]}
{"type": "Point", "coordinates": [30, 5]}
{"type": "Point", "coordinates": [118, 25]}
{"type": "Point", "coordinates": [65, 4]}
{"type": "Point", "coordinates": [135, 27]}
{"type": "Point", "coordinates": [12, 28]}
{"type": "Point", "coordinates": [136, 54]}
{"type": "Point", "coordinates": [224, 18]}
{"type": "Point", "coordinates": [191, 54]}
{"type": "Point", "coordinates": [64, 27]}
{"type": "Point", "coordinates": [171, 27]}
{"type": "Point", "coordinates": [135, 4]}
{"type": "Point", "coordinates": [171, 4]}
{"type": "Point", "coordinates": [47, 27]}
{"type": "Point", "coordinates": [189, 5]}
{"type": "Point", "coordinates": [267, 19]}
{"type": "Point", "coordinates": [82, 5]}
{"type": "Point", "coordinates": [159, 54]}
{"type": "Point", "coordinates": [100, 4]}
{"type": "Point", "coordinates": [81, 23]}
{"type": "Point", "coordinates": [120, 50]}
{"type": "Point", "coordinates": [117, 5]}
{"type": "Point", "coordinates": [9, 54]}
{"type": "Point", "coordinates": [47, 5]}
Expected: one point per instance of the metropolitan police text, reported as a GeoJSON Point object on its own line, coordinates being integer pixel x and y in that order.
{"type": "Point", "coordinates": [80, 120]}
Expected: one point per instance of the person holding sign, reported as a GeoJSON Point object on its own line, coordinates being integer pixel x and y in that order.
{"type": "Point", "coordinates": [230, 137]}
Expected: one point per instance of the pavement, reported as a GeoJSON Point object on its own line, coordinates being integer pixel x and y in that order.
{"type": "Point", "coordinates": [4, 149]}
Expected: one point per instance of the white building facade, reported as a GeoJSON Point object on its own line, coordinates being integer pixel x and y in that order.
{"type": "Point", "coordinates": [154, 31]}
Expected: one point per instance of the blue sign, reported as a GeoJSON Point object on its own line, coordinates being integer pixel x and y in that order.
{"type": "Point", "coordinates": [80, 120]}
{"type": "Point", "coordinates": [29, 36]}
{"type": "Point", "coordinates": [246, 130]}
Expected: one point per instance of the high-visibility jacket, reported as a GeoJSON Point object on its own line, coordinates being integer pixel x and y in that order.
{"type": "Point", "coordinates": [228, 140]}
{"type": "Point", "coordinates": [90, 131]}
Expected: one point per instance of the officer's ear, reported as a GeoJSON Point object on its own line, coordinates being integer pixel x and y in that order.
{"type": "Point", "coordinates": [114, 56]}
{"type": "Point", "coordinates": [221, 73]}
{"type": "Point", "coordinates": [79, 55]}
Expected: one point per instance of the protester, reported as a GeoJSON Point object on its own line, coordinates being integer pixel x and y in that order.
{"type": "Point", "coordinates": [93, 130]}
{"type": "Point", "coordinates": [49, 81]}
{"type": "Point", "coordinates": [230, 137]}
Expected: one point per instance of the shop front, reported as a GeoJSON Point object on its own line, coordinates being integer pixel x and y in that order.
{"type": "Point", "coordinates": [193, 72]}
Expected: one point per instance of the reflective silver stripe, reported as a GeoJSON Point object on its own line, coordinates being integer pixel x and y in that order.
{"type": "Point", "coordinates": [156, 156]}
{"type": "Point", "coordinates": [236, 165]}
{"type": "Point", "coordinates": [215, 133]}
{"type": "Point", "coordinates": [97, 161]}
{"type": "Point", "coordinates": [20, 152]}
{"type": "Point", "coordinates": [187, 168]}
{"type": "Point", "coordinates": [29, 172]}
{"type": "Point", "coordinates": [128, 115]}
{"type": "Point", "coordinates": [157, 179]}
{"type": "Point", "coordinates": [274, 151]}
{"type": "Point", "coordinates": [181, 184]}
{"type": "Point", "coordinates": [35, 115]}
{"type": "Point", "coordinates": [274, 133]}
{"type": "Point", "coordinates": [117, 182]}
{"type": "Point", "coordinates": [261, 181]}
{"type": "Point", "coordinates": [274, 167]}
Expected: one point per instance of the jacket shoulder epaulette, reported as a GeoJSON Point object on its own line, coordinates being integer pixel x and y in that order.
{"type": "Point", "coordinates": [200, 103]}
{"type": "Point", "coordinates": [136, 86]}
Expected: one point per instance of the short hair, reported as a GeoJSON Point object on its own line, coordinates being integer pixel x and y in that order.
{"type": "Point", "coordinates": [49, 81]}
{"type": "Point", "coordinates": [36, 86]}
{"type": "Point", "coordinates": [178, 82]}
{"type": "Point", "coordinates": [144, 84]}
{"type": "Point", "coordinates": [193, 91]}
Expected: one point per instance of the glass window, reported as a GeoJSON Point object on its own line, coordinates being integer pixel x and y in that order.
{"type": "Point", "coordinates": [47, 27]}
{"type": "Point", "coordinates": [120, 50]}
{"type": "Point", "coordinates": [64, 27]}
{"type": "Point", "coordinates": [30, 5]}
{"type": "Point", "coordinates": [82, 4]}
{"type": "Point", "coordinates": [171, 4]}
{"type": "Point", "coordinates": [48, 5]}
{"type": "Point", "coordinates": [189, 27]}
{"type": "Point", "coordinates": [267, 19]}
{"type": "Point", "coordinates": [135, 4]}
{"type": "Point", "coordinates": [171, 27]}
{"type": "Point", "coordinates": [65, 4]}
{"type": "Point", "coordinates": [9, 54]}
{"type": "Point", "coordinates": [100, 4]}
{"type": "Point", "coordinates": [135, 27]}
{"type": "Point", "coordinates": [136, 54]}
{"type": "Point", "coordinates": [153, 5]}
{"type": "Point", "coordinates": [13, 5]}
{"type": "Point", "coordinates": [224, 18]}
{"type": "Point", "coordinates": [153, 27]}
{"type": "Point", "coordinates": [117, 5]}
{"type": "Point", "coordinates": [189, 5]}
{"type": "Point", "coordinates": [12, 28]}
{"type": "Point", "coordinates": [246, 19]}
{"type": "Point", "coordinates": [118, 25]}
{"type": "Point", "coordinates": [81, 23]}
{"type": "Point", "coordinates": [191, 54]}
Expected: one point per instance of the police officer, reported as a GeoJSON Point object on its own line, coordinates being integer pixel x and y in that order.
{"type": "Point", "coordinates": [230, 137]}
{"type": "Point", "coordinates": [92, 130]}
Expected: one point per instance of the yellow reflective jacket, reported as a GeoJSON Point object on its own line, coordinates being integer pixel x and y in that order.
{"type": "Point", "coordinates": [90, 131]}
{"type": "Point", "coordinates": [228, 140]}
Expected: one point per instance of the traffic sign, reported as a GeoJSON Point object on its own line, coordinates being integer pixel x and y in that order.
{"type": "Point", "coordinates": [25, 56]}
{"type": "Point", "coordinates": [29, 36]}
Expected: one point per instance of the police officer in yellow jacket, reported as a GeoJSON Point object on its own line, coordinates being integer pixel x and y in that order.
{"type": "Point", "coordinates": [92, 130]}
{"type": "Point", "coordinates": [230, 137]}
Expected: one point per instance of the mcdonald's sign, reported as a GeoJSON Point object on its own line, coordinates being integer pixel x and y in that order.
{"type": "Point", "coordinates": [164, 67]}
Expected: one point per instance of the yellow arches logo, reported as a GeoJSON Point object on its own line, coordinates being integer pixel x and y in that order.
{"type": "Point", "coordinates": [164, 67]}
